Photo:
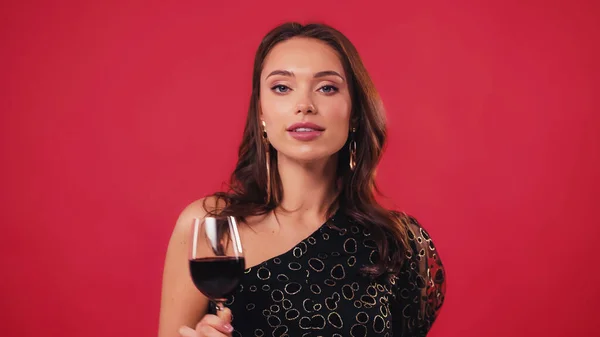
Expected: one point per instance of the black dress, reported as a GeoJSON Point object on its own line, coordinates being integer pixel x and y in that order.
{"type": "Point", "coordinates": [317, 288]}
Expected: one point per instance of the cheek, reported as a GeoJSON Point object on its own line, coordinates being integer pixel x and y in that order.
{"type": "Point", "coordinates": [337, 114]}
{"type": "Point", "coordinates": [274, 110]}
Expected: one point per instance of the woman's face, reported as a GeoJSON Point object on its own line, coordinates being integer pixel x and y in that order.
{"type": "Point", "coordinates": [305, 100]}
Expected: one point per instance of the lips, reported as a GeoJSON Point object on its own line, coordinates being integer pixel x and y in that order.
{"type": "Point", "coordinates": [305, 131]}
{"type": "Point", "coordinates": [305, 127]}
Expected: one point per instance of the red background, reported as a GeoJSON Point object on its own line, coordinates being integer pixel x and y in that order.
{"type": "Point", "coordinates": [115, 116]}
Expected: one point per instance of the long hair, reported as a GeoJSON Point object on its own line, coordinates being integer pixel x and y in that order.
{"type": "Point", "coordinates": [247, 194]}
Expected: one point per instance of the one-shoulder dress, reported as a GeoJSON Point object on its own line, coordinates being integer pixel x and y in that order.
{"type": "Point", "coordinates": [317, 288]}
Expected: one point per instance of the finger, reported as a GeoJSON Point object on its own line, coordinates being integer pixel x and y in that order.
{"type": "Point", "coordinates": [224, 314]}
{"type": "Point", "coordinates": [215, 323]}
{"type": "Point", "coordinates": [209, 331]}
{"type": "Point", "coordinates": [186, 331]}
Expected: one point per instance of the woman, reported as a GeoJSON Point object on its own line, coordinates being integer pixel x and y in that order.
{"type": "Point", "coordinates": [323, 257]}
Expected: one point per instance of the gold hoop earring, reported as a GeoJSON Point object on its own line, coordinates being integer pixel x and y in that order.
{"type": "Point", "coordinates": [352, 149]}
{"type": "Point", "coordinates": [268, 161]}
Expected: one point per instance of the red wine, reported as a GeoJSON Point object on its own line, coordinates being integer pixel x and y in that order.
{"type": "Point", "coordinates": [217, 277]}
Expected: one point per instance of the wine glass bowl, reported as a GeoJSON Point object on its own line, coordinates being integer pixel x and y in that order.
{"type": "Point", "coordinates": [216, 259]}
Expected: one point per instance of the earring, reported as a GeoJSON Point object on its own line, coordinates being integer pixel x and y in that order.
{"type": "Point", "coordinates": [267, 160]}
{"type": "Point", "coordinates": [352, 148]}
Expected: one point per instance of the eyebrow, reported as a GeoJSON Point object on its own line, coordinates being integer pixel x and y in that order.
{"type": "Point", "coordinates": [317, 75]}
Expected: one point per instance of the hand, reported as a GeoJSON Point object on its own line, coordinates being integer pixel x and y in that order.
{"type": "Point", "coordinates": [211, 326]}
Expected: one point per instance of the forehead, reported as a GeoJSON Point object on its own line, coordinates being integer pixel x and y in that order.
{"type": "Point", "coordinates": [302, 55]}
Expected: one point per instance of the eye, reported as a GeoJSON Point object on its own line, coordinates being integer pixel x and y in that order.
{"type": "Point", "coordinates": [280, 88]}
{"type": "Point", "coordinates": [328, 89]}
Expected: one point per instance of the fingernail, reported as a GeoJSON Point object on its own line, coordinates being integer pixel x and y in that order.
{"type": "Point", "coordinates": [228, 327]}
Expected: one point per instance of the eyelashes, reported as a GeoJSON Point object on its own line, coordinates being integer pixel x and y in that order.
{"type": "Point", "coordinates": [326, 89]}
{"type": "Point", "coordinates": [280, 89]}
{"type": "Point", "coordinates": [330, 89]}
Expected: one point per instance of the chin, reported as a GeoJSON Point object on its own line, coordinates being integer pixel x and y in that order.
{"type": "Point", "coordinates": [311, 156]}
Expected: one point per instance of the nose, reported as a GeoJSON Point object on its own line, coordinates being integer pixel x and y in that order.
{"type": "Point", "coordinates": [304, 108]}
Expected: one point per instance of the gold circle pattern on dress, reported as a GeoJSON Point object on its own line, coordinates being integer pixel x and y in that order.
{"type": "Point", "coordinates": [362, 317]}
{"type": "Point", "coordinates": [307, 305]}
{"type": "Point", "coordinates": [335, 320]}
{"type": "Point", "coordinates": [280, 330]}
{"type": "Point", "coordinates": [277, 295]}
{"type": "Point", "coordinates": [338, 272]}
{"type": "Point", "coordinates": [351, 261]}
{"type": "Point", "coordinates": [292, 288]}
{"type": "Point", "coordinates": [350, 246]}
{"type": "Point", "coordinates": [297, 252]}
{"type": "Point", "coordinates": [316, 264]}
{"type": "Point", "coordinates": [347, 292]}
{"type": "Point", "coordinates": [292, 314]}
{"type": "Point", "coordinates": [294, 266]}
{"type": "Point", "coordinates": [317, 288]}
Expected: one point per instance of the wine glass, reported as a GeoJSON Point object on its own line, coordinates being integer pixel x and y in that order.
{"type": "Point", "coordinates": [216, 257]}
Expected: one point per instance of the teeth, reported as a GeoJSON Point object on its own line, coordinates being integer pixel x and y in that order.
{"type": "Point", "coordinates": [303, 130]}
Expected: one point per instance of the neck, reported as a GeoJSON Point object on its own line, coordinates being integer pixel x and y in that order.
{"type": "Point", "coordinates": [309, 188]}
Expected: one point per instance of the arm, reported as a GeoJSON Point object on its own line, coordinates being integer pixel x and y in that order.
{"type": "Point", "coordinates": [181, 303]}
{"type": "Point", "coordinates": [420, 285]}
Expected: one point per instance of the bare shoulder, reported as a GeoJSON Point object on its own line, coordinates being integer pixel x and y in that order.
{"type": "Point", "coordinates": [197, 209]}
{"type": "Point", "coordinates": [181, 302]}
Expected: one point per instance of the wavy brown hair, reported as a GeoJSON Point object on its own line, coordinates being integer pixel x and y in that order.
{"type": "Point", "coordinates": [247, 194]}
